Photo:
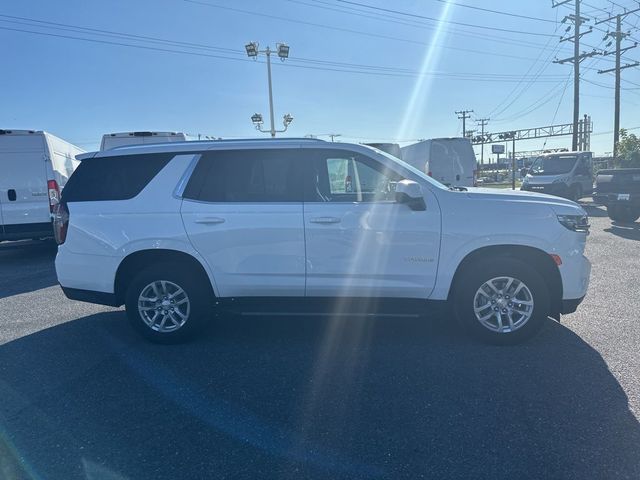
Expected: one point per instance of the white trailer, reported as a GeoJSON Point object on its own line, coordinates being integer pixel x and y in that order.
{"type": "Point", "coordinates": [112, 140]}
{"type": "Point", "coordinates": [35, 168]}
{"type": "Point", "coordinates": [451, 161]}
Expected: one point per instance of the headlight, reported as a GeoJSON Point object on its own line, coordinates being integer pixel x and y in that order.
{"type": "Point", "coordinates": [576, 223]}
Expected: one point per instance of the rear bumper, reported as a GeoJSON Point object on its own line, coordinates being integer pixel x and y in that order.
{"type": "Point", "coordinates": [91, 296]}
{"type": "Point", "coordinates": [570, 306]}
{"type": "Point", "coordinates": [612, 199]}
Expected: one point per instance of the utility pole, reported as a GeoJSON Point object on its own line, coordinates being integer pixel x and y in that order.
{"type": "Point", "coordinates": [576, 59]}
{"type": "Point", "coordinates": [483, 123]}
{"type": "Point", "coordinates": [619, 36]}
{"type": "Point", "coordinates": [463, 115]}
{"type": "Point", "coordinates": [334, 135]}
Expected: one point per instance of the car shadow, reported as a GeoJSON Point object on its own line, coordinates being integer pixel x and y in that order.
{"type": "Point", "coordinates": [630, 231]}
{"type": "Point", "coordinates": [26, 266]}
{"type": "Point", "coordinates": [333, 397]}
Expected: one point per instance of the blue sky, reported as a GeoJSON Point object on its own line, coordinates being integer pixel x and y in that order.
{"type": "Point", "coordinates": [418, 71]}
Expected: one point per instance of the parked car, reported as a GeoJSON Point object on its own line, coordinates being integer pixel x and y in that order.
{"type": "Point", "coordinates": [112, 140]}
{"type": "Point", "coordinates": [178, 232]}
{"type": "Point", "coordinates": [451, 161]}
{"type": "Point", "coordinates": [619, 190]}
{"type": "Point", "coordinates": [390, 148]}
{"type": "Point", "coordinates": [35, 168]}
{"type": "Point", "coordinates": [566, 174]}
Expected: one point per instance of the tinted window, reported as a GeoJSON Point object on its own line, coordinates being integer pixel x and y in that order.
{"type": "Point", "coordinates": [248, 176]}
{"type": "Point", "coordinates": [113, 178]}
{"type": "Point", "coordinates": [343, 176]}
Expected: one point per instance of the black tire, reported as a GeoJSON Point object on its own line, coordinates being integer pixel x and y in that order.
{"type": "Point", "coordinates": [476, 275]}
{"type": "Point", "coordinates": [199, 300]}
{"type": "Point", "coordinates": [623, 213]}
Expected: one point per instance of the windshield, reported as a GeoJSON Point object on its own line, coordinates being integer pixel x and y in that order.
{"type": "Point", "coordinates": [553, 165]}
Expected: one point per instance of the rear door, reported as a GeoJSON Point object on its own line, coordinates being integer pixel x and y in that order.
{"type": "Point", "coordinates": [441, 166]}
{"type": "Point", "coordinates": [242, 210]}
{"type": "Point", "coordinates": [23, 183]}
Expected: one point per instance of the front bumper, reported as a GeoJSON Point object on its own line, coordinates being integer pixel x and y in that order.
{"type": "Point", "coordinates": [557, 189]}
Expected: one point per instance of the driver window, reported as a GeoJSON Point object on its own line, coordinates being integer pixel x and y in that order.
{"type": "Point", "coordinates": [354, 178]}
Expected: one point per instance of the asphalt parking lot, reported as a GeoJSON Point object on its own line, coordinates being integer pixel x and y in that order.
{"type": "Point", "coordinates": [82, 397]}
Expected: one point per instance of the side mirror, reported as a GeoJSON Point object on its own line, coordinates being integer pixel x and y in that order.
{"type": "Point", "coordinates": [409, 193]}
{"type": "Point", "coordinates": [524, 171]}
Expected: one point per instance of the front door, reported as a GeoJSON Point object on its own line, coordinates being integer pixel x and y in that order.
{"type": "Point", "coordinates": [360, 242]}
{"type": "Point", "coordinates": [242, 210]}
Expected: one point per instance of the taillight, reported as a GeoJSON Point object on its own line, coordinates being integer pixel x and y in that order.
{"type": "Point", "coordinates": [430, 174]}
{"type": "Point", "coordinates": [54, 194]}
{"type": "Point", "coordinates": [60, 222]}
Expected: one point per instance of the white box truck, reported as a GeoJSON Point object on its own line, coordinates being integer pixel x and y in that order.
{"type": "Point", "coordinates": [35, 168]}
{"type": "Point", "coordinates": [451, 161]}
{"type": "Point", "coordinates": [112, 140]}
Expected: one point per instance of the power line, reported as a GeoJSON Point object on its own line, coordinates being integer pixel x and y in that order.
{"type": "Point", "coordinates": [352, 31]}
{"type": "Point", "coordinates": [314, 64]}
{"type": "Point", "coordinates": [497, 12]}
{"type": "Point", "coordinates": [415, 23]}
{"type": "Point", "coordinates": [452, 22]}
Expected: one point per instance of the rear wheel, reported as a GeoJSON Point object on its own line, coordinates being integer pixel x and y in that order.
{"type": "Point", "coordinates": [167, 304]}
{"type": "Point", "coordinates": [501, 301]}
{"type": "Point", "coordinates": [623, 213]}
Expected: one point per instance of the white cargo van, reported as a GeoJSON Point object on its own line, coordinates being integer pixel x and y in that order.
{"type": "Point", "coordinates": [451, 161]}
{"type": "Point", "coordinates": [35, 167]}
{"type": "Point", "coordinates": [111, 140]}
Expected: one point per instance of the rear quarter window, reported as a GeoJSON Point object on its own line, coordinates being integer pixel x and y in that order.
{"type": "Point", "coordinates": [113, 178]}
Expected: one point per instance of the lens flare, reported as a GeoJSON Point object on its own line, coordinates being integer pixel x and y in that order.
{"type": "Point", "coordinates": [420, 94]}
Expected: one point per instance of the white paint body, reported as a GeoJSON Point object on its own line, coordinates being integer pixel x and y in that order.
{"type": "Point", "coordinates": [315, 249]}
{"type": "Point", "coordinates": [28, 160]}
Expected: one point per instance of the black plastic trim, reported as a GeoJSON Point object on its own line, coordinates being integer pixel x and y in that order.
{"type": "Point", "coordinates": [570, 306]}
{"type": "Point", "coordinates": [91, 296]}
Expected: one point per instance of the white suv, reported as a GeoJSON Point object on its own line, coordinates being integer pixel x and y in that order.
{"type": "Point", "coordinates": [178, 232]}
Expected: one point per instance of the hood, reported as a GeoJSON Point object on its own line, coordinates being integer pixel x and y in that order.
{"type": "Point", "coordinates": [559, 205]}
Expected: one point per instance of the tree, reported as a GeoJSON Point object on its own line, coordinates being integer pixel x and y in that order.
{"type": "Point", "coordinates": [628, 150]}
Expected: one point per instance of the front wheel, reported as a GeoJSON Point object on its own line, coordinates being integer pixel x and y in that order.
{"type": "Point", "coordinates": [623, 213]}
{"type": "Point", "coordinates": [501, 301]}
{"type": "Point", "coordinates": [167, 304]}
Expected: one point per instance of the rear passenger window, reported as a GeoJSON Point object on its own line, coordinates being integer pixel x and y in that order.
{"type": "Point", "coordinates": [247, 176]}
{"type": "Point", "coordinates": [113, 178]}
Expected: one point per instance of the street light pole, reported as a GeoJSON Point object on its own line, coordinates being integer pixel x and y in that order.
{"type": "Point", "coordinates": [282, 51]}
{"type": "Point", "coordinates": [273, 128]}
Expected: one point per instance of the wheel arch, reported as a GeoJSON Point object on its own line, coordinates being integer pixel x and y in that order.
{"type": "Point", "coordinates": [541, 261]}
{"type": "Point", "coordinates": [136, 261]}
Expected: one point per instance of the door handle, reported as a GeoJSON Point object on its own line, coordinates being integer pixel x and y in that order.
{"type": "Point", "coordinates": [210, 220]}
{"type": "Point", "coordinates": [325, 220]}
